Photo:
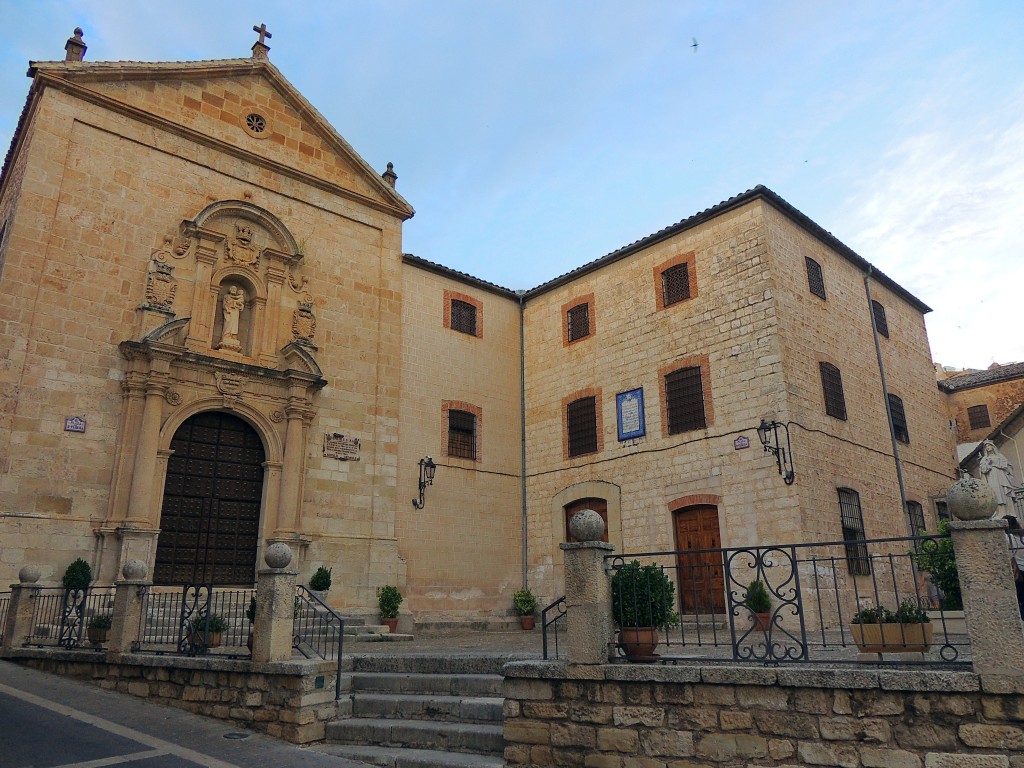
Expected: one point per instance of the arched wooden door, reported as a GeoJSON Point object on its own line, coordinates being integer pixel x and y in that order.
{"type": "Point", "coordinates": [209, 523]}
{"type": "Point", "coordinates": [598, 505]}
{"type": "Point", "coordinates": [701, 582]}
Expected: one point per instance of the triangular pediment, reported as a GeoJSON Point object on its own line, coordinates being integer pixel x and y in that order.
{"type": "Point", "coordinates": [241, 104]}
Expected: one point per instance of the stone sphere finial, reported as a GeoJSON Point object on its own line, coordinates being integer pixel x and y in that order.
{"type": "Point", "coordinates": [29, 574]}
{"type": "Point", "coordinates": [586, 525]}
{"type": "Point", "coordinates": [278, 555]}
{"type": "Point", "coordinates": [971, 499]}
{"type": "Point", "coordinates": [135, 570]}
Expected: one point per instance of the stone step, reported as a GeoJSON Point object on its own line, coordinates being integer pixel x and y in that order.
{"type": "Point", "coordinates": [479, 738]}
{"type": "Point", "coordinates": [444, 684]}
{"type": "Point", "coordinates": [425, 664]}
{"type": "Point", "coordinates": [428, 706]}
{"type": "Point", "coordinates": [398, 757]}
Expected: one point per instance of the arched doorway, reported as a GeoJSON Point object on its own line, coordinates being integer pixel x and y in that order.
{"type": "Point", "coordinates": [209, 520]}
{"type": "Point", "coordinates": [701, 581]}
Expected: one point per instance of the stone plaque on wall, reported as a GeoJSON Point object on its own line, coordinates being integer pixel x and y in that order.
{"type": "Point", "coordinates": [337, 446]}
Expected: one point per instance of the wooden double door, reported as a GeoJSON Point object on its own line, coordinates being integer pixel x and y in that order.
{"type": "Point", "coordinates": [701, 572]}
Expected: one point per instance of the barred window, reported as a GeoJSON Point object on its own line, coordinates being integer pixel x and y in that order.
{"type": "Point", "coordinates": [815, 279]}
{"type": "Point", "coordinates": [880, 322]}
{"type": "Point", "coordinates": [578, 322]}
{"type": "Point", "coordinates": [915, 518]}
{"type": "Point", "coordinates": [463, 317]}
{"type": "Point", "coordinates": [899, 419]}
{"type": "Point", "coordinates": [461, 434]}
{"type": "Point", "coordinates": [684, 400]}
{"type": "Point", "coordinates": [978, 416]}
{"type": "Point", "coordinates": [857, 559]}
{"type": "Point", "coordinates": [581, 426]}
{"type": "Point", "coordinates": [675, 284]}
{"type": "Point", "coordinates": [832, 386]}
{"type": "Point", "coordinates": [941, 511]}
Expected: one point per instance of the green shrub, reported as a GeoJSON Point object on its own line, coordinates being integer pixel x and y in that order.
{"type": "Point", "coordinates": [388, 600]}
{"type": "Point", "coordinates": [643, 596]}
{"type": "Point", "coordinates": [524, 602]}
{"type": "Point", "coordinates": [78, 575]}
{"type": "Point", "coordinates": [908, 612]}
{"type": "Point", "coordinates": [940, 562]}
{"type": "Point", "coordinates": [757, 598]}
{"type": "Point", "coordinates": [101, 621]}
{"type": "Point", "coordinates": [216, 624]}
{"type": "Point", "coordinates": [321, 580]}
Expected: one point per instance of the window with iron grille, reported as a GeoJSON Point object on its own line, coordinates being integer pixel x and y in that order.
{"type": "Point", "coordinates": [832, 386]}
{"type": "Point", "coordinates": [684, 400]}
{"type": "Point", "coordinates": [915, 518]}
{"type": "Point", "coordinates": [941, 511]}
{"type": "Point", "coordinates": [463, 317]}
{"type": "Point", "coordinates": [581, 426]}
{"type": "Point", "coordinates": [578, 322]}
{"type": "Point", "coordinates": [978, 416]}
{"type": "Point", "coordinates": [675, 284]}
{"type": "Point", "coordinates": [815, 279]}
{"type": "Point", "coordinates": [880, 322]}
{"type": "Point", "coordinates": [899, 419]}
{"type": "Point", "coordinates": [461, 434]}
{"type": "Point", "coordinates": [857, 559]}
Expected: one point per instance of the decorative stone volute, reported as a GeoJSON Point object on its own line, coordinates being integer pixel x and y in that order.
{"type": "Point", "coordinates": [971, 499]}
{"type": "Point", "coordinates": [29, 574]}
{"type": "Point", "coordinates": [586, 525]}
{"type": "Point", "coordinates": [278, 555]}
{"type": "Point", "coordinates": [134, 570]}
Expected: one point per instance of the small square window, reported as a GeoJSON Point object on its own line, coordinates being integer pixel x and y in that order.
{"type": "Point", "coordinates": [978, 417]}
{"type": "Point", "coordinates": [880, 323]}
{"type": "Point", "coordinates": [899, 419]}
{"type": "Point", "coordinates": [832, 386]}
{"type": "Point", "coordinates": [461, 434]}
{"type": "Point", "coordinates": [463, 317]}
{"type": "Point", "coordinates": [675, 284]}
{"type": "Point", "coordinates": [815, 279]}
{"type": "Point", "coordinates": [578, 322]}
{"type": "Point", "coordinates": [581, 426]}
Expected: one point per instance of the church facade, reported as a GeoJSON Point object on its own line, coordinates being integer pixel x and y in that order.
{"type": "Point", "coordinates": [211, 340]}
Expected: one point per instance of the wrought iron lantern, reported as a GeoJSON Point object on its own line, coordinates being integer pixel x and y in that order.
{"type": "Point", "coordinates": [427, 469]}
{"type": "Point", "coordinates": [768, 431]}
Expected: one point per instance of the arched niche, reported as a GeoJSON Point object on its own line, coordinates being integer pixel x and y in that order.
{"type": "Point", "coordinates": [253, 213]}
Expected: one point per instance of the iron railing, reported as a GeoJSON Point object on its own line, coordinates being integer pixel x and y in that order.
{"type": "Point", "coordinates": [815, 593]}
{"type": "Point", "coordinates": [185, 621]}
{"type": "Point", "coordinates": [60, 617]}
{"type": "Point", "coordinates": [552, 619]}
{"type": "Point", "coordinates": [318, 631]}
{"type": "Point", "coordinates": [5, 604]}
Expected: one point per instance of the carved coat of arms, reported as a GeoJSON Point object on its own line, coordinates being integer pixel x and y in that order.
{"type": "Point", "coordinates": [240, 250]}
{"type": "Point", "coordinates": [160, 287]}
{"type": "Point", "coordinates": [304, 323]}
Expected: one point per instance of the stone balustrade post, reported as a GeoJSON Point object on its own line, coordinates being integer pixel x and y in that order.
{"type": "Point", "coordinates": [986, 581]}
{"type": "Point", "coordinates": [129, 602]}
{"type": "Point", "coordinates": [21, 610]}
{"type": "Point", "coordinates": [588, 593]}
{"type": "Point", "coordinates": [275, 606]}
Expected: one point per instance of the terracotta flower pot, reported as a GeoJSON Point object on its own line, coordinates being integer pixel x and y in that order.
{"type": "Point", "coordinates": [762, 621]}
{"type": "Point", "coordinates": [892, 638]}
{"type": "Point", "coordinates": [638, 642]}
{"type": "Point", "coordinates": [527, 622]}
{"type": "Point", "coordinates": [392, 624]}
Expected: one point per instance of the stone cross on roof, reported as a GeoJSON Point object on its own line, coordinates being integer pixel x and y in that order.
{"type": "Point", "coordinates": [260, 48]}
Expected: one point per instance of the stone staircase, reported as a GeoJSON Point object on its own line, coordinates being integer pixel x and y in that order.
{"type": "Point", "coordinates": [421, 712]}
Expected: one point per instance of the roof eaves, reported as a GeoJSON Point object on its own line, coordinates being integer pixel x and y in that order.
{"type": "Point", "coordinates": [982, 378]}
{"type": "Point", "coordinates": [462, 277]}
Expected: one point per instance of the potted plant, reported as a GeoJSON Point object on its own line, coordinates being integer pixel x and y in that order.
{"type": "Point", "coordinates": [78, 576]}
{"type": "Point", "coordinates": [208, 631]}
{"type": "Point", "coordinates": [388, 600]}
{"type": "Point", "coordinates": [759, 603]}
{"type": "Point", "coordinates": [98, 627]}
{"type": "Point", "coordinates": [908, 629]}
{"type": "Point", "coordinates": [525, 604]}
{"type": "Point", "coordinates": [320, 582]}
{"type": "Point", "coordinates": [643, 604]}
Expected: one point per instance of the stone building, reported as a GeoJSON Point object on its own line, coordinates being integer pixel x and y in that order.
{"type": "Point", "coordinates": [211, 340]}
{"type": "Point", "coordinates": [978, 401]}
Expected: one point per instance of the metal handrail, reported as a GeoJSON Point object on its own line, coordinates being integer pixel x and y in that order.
{"type": "Point", "coordinates": [313, 623]}
{"type": "Point", "coordinates": [560, 606]}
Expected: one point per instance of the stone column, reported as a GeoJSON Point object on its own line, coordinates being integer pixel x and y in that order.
{"type": "Point", "coordinates": [986, 580]}
{"type": "Point", "coordinates": [275, 606]}
{"type": "Point", "coordinates": [140, 500]}
{"type": "Point", "coordinates": [294, 447]}
{"type": "Point", "coordinates": [21, 610]}
{"type": "Point", "coordinates": [588, 593]}
{"type": "Point", "coordinates": [129, 602]}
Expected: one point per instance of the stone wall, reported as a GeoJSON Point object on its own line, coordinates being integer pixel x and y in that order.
{"type": "Point", "coordinates": [291, 700]}
{"type": "Point", "coordinates": [634, 716]}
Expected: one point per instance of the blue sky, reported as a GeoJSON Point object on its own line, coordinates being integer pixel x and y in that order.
{"type": "Point", "coordinates": [535, 136]}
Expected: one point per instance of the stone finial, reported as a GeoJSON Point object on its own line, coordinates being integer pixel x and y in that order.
{"type": "Point", "coordinates": [75, 48]}
{"type": "Point", "coordinates": [278, 555]}
{"type": "Point", "coordinates": [390, 176]}
{"type": "Point", "coordinates": [586, 525]}
{"type": "Point", "coordinates": [29, 574]}
{"type": "Point", "coordinates": [260, 49]}
{"type": "Point", "coordinates": [134, 570]}
{"type": "Point", "coordinates": [970, 499]}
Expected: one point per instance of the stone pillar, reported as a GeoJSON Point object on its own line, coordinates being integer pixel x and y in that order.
{"type": "Point", "coordinates": [986, 580]}
{"type": "Point", "coordinates": [588, 593]}
{"type": "Point", "coordinates": [275, 606]}
{"type": "Point", "coordinates": [21, 610]}
{"type": "Point", "coordinates": [129, 602]}
{"type": "Point", "coordinates": [144, 470]}
{"type": "Point", "coordinates": [291, 475]}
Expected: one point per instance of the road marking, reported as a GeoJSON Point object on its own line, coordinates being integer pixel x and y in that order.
{"type": "Point", "coordinates": [119, 730]}
{"type": "Point", "coordinates": [114, 760]}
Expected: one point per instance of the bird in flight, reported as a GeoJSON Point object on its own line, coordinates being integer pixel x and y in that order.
{"type": "Point", "coordinates": [694, 46]}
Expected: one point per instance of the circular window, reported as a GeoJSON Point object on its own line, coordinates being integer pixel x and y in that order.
{"type": "Point", "coordinates": [255, 125]}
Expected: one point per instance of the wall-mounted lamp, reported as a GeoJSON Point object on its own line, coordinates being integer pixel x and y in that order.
{"type": "Point", "coordinates": [427, 468]}
{"type": "Point", "coordinates": [768, 431]}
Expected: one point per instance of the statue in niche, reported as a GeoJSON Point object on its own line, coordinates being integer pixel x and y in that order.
{"type": "Point", "coordinates": [240, 249]}
{"type": "Point", "coordinates": [998, 472]}
{"type": "Point", "coordinates": [231, 307]}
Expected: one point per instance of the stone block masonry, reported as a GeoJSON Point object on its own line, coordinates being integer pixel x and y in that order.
{"type": "Point", "coordinates": [633, 716]}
